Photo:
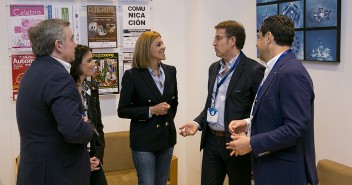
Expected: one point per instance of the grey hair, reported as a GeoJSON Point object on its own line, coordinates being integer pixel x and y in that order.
{"type": "Point", "coordinates": [44, 35]}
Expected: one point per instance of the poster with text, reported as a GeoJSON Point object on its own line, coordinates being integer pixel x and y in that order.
{"type": "Point", "coordinates": [22, 17]}
{"type": "Point", "coordinates": [136, 20]}
{"type": "Point", "coordinates": [20, 64]}
{"type": "Point", "coordinates": [127, 60]}
{"type": "Point", "coordinates": [61, 12]}
{"type": "Point", "coordinates": [102, 23]}
{"type": "Point", "coordinates": [67, 13]}
{"type": "Point", "coordinates": [106, 73]}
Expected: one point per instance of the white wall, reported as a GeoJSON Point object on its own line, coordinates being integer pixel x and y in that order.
{"type": "Point", "coordinates": [187, 28]}
{"type": "Point", "coordinates": [333, 98]}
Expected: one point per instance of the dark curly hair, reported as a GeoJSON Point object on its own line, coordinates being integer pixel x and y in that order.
{"type": "Point", "coordinates": [281, 27]}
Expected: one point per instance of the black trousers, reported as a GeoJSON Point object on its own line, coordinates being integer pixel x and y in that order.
{"type": "Point", "coordinates": [98, 177]}
{"type": "Point", "coordinates": [217, 162]}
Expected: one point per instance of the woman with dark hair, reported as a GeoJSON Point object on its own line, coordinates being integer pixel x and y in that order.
{"type": "Point", "coordinates": [82, 67]}
{"type": "Point", "coordinates": [149, 98]}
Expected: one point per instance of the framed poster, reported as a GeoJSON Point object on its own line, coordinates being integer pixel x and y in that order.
{"type": "Point", "coordinates": [319, 47]}
{"type": "Point", "coordinates": [297, 45]}
{"type": "Point", "coordinates": [106, 72]}
{"type": "Point", "coordinates": [313, 21]}
{"type": "Point", "coordinates": [20, 64]}
{"type": "Point", "coordinates": [265, 1]}
{"type": "Point", "coordinates": [322, 13]}
{"type": "Point", "coordinates": [294, 10]}
{"type": "Point", "coordinates": [101, 23]}
{"type": "Point", "coordinates": [127, 60]}
{"type": "Point", "coordinates": [67, 12]}
{"type": "Point", "coordinates": [22, 17]}
{"type": "Point", "coordinates": [264, 12]}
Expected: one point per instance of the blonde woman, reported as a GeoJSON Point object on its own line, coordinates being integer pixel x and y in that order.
{"type": "Point", "coordinates": [149, 98]}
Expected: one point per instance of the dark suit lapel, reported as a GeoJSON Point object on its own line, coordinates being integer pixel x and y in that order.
{"type": "Point", "coordinates": [167, 79]}
{"type": "Point", "coordinates": [236, 75]}
{"type": "Point", "coordinates": [273, 73]}
{"type": "Point", "coordinates": [146, 76]}
{"type": "Point", "coordinates": [212, 78]}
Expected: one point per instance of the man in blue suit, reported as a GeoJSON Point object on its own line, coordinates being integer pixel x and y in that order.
{"type": "Point", "coordinates": [53, 133]}
{"type": "Point", "coordinates": [280, 130]}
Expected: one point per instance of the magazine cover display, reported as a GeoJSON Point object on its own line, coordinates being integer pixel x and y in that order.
{"type": "Point", "coordinates": [22, 17]}
{"type": "Point", "coordinates": [20, 64]}
{"type": "Point", "coordinates": [106, 73]}
{"type": "Point", "coordinates": [101, 21]}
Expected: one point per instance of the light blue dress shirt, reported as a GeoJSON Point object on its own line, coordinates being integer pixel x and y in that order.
{"type": "Point", "coordinates": [220, 99]}
{"type": "Point", "coordinates": [158, 80]}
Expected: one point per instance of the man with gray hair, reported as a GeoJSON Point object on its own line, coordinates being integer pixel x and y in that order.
{"type": "Point", "coordinates": [53, 132]}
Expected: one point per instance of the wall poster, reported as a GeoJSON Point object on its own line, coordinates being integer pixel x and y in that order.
{"type": "Point", "coordinates": [127, 60]}
{"type": "Point", "coordinates": [22, 17]}
{"type": "Point", "coordinates": [102, 23]}
{"type": "Point", "coordinates": [20, 64]}
{"type": "Point", "coordinates": [136, 20]}
{"type": "Point", "coordinates": [106, 73]}
{"type": "Point", "coordinates": [67, 12]}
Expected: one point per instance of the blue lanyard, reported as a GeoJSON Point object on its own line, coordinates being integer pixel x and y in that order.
{"type": "Point", "coordinates": [281, 56]}
{"type": "Point", "coordinates": [226, 75]}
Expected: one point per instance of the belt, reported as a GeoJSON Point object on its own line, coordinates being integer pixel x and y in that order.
{"type": "Point", "coordinates": [217, 133]}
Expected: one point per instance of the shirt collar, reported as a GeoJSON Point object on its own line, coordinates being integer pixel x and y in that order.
{"type": "Point", "coordinates": [273, 61]}
{"type": "Point", "coordinates": [161, 71]}
{"type": "Point", "coordinates": [229, 64]}
{"type": "Point", "coordinates": [66, 65]}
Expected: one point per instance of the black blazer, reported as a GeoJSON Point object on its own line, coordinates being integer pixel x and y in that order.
{"type": "Point", "coordinates": [240, 94]}
{"type": "Point", "coordinates": [138, 93]}
{"type": "Point", "coordinates": [97, 144]}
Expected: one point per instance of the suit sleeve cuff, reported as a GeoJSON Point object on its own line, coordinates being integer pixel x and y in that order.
{"type": "Point", "coordinates": [199, 127]}
{"type": "Point", "coordinates": [150, 113]}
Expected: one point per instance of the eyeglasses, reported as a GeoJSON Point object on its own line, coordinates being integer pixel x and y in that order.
{"type": "Point", "coordinates": [218, 37]}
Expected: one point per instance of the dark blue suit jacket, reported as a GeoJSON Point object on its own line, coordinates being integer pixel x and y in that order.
{"type": "Point", "coordinates": [138, 93]}
{"type": "Point", "coordinates": [282, 136]}
{"type": "Point", "coordinates": [53, 134]}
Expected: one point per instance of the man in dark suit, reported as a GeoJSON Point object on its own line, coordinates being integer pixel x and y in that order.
{"type": "Point", "coordinates": [232, 84]}
{"type": "Point", "coordinates": [282, 130]}
{"type": "Point", "coordinates": [53, 134]}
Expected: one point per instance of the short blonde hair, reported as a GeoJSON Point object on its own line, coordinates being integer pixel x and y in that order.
{"type": "Point", "coordinates": [141, 56]}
